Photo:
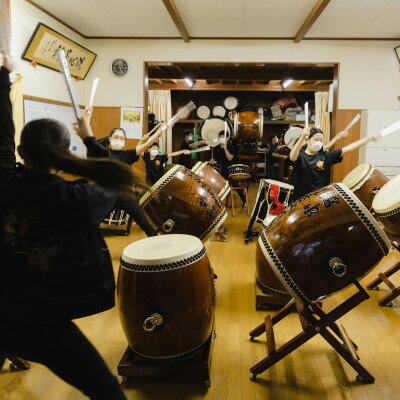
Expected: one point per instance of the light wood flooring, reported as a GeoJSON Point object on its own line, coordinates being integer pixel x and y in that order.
{"type": "Point", "coordinates": [314, 371]}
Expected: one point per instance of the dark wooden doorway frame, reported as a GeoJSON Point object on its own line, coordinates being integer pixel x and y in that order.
{"type": "Point", "coordinates": [336, 66]}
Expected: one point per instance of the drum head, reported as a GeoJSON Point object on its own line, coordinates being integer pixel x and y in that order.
{"type": "Point", "coordinates": [219, 111]}
{"type": "Point", "coordinates": [162, 249]}
{"type": "Point", "coordinates": [388, 197]}
{"type": "Point", "coordinates": [203, 112]}
{"type": "Point", "coordinates": [358, 176]}
{"type": "Point", "coordinates": [231, 103]}
{"type": "Point", "coordinates": [210, 128]}
{"type": "Point", "coordinates": [292, 135]}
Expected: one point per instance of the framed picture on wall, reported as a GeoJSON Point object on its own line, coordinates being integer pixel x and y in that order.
{"type": "Point", "coordinates": [43, 45]}
{"type": "Point", "coordinates": [397, 51]}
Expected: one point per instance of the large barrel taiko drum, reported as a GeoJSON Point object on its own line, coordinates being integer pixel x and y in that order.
{"type": "Point", "coordinates": [249, 126]}
{"type": "Point", "coordinates": [181, 202]}
{"type": "Point", "coordinates": [166, 296]}
{"type": "Point", "coordinates": [365, 181]}
{"type": "Point", "coordinates": [386, 206]}
{"type": "Point", "coordinates": [323, 242]}
{"type": "Point", "coordinates": [214, 179]}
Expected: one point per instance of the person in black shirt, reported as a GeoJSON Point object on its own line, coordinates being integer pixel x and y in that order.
{"type": "Point", "coordinates": [155, 162]}
{"type": "Point", "coordinates": [187, 144]}
{"type": "Point", "coordinates": [55, 266]}
{"type": "Point", "coordinates": [312, 164]}
{"type": "Point", "coordinates": [273, 154]}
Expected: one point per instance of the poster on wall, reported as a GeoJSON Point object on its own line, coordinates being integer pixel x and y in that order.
{"type": "Point", "coordinates": [132, 121]}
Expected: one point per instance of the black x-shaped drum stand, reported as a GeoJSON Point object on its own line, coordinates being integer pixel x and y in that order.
{"type": "Point", "coordinates": [314, 321]}
{"type": "Point", "coordinates": [249, 233]}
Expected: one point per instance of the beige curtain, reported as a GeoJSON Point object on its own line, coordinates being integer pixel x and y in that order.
{"type": "Point", "coordinates": [322, 116]}
{"type": "Point", "coordinates": [18, 108]}
{"type": "Point", "coordinates": [160, 105]}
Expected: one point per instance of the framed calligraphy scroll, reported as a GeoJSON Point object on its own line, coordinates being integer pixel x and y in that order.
{"type": "Point", "coordinates": [43, 45]}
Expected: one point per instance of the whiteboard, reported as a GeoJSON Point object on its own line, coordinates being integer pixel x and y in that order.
{"type": "Point", "coordinates": [36, 109]}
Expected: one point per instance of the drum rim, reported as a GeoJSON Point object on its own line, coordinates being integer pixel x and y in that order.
{"type": "Point", "coordinates": [159, 184]}
{"type": "Point", "coordinates": [224, 191]}
{"type": "Point", "coordinates": [360, 180]}
{"type": "Point", "coordinates": [199, 166]}
{"type": "Point", "coordinates": [389, 210]}
{"type": "Point", "coordinates": [286, 185]}
{"type": "Point", "coordinates": [271, 290]}
{"type": "Point", "coordinates": [231, 97]}
{"type": "Point", "coordinates": [237, 165]}
{"type": "Point", "coordinates": [165, 264]}
{"type": "Point", "coordinates": [269, 223]}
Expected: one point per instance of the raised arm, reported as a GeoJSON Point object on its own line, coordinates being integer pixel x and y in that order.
{"type": "Point", "coordinates": [7, 130]}
{"type": "Point", "coordinates": [142, 147]}
{"type": "Point", "coordinates": [359, 143]}
{"type": "Point", "coordinates": [178, 153]}
{"type": "Point", "coordinates": [339, 136]}
{"type": "Point", "coordinates": [294, 153]}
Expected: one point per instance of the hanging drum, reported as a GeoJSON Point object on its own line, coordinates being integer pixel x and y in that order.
{"type": "Point", "coordinates": [231, 103]}
{"type": "Point", "coordinates": [249, 126]}
{"type": "Point", "coordinates": [210, 128]}
{"type": "Point", "coordinates": [386, 205]}
{"type": "Point", "coordinates": [181, 202]}
{"type": "Point", "coordinates": [323, 242]}
{"type": "Point", "coordinates": [219, 111]}
{"type": "Point", "coordinates": [203, 112]}
{"type": "Point", "coordinates": [365, 181]}
{"type": "Point", "coordinates": [291, 136]}
{"type": "Point", "coordinates": [214, 179]}
{"type": "Point", "coordinates": [166, 296]}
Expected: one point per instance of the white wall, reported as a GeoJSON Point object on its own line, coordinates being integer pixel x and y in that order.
{"type": "Point", "coordinates": [368, 77]}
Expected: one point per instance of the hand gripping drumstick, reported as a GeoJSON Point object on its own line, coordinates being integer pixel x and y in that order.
{"type": "Point", "coordinates": [355, 119]}
{"type": "Point", "coordinates": [390, 129]}
{"type": "Point", "coordinates": [65, 70]}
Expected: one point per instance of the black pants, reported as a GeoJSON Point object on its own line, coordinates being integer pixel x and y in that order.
{"type": "Point", "coordinates": [271, 170]}
{"type": "Point", "coordinates": [63, 349]}
{"type": "Point", "coordinates": [133, 208]}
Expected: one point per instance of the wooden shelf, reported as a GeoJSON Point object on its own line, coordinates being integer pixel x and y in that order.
{"type": "Point", "coordinates": [190, 121]}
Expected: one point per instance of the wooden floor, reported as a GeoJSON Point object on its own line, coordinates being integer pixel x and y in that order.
{"type": "Point", "coordinates": [314, 371]}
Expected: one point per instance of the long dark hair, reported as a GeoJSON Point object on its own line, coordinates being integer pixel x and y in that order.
{"type": "Point", "coordinates": [45, 144]}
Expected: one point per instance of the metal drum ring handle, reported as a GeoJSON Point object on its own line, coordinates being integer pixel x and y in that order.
{"type": "Point", "coordinates": [338, 268]}
{"type": "Point", "coordinates": [168, 225]}
{"type": "Point", "coordinates": [152, 322]}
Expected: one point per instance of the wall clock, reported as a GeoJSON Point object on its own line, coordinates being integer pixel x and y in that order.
{"type": "Point", "coordinates": [119, 67]}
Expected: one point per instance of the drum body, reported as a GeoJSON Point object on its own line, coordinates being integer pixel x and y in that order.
{"type": "Point", "coordinates": [181, 202]}
{"type": "Point", "coordinates": [323, 242]}
{"type": "Point", "coordinates": [365, 181]}
{"type": "Point", "coordinates": [386, 205]}
{"type": "Point", "coordinates": [238, 172]}
{"type": "Point", "coordinates": [214, 179]}
{"type": "Point", "coordinates": [249, 126]}
{"type": "Point", "coordinates": [166, 296]}
{"type": "Point", "coordinates": [209, 129]}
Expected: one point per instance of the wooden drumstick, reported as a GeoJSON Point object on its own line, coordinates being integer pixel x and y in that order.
{"type": "Point", "coordinates": [390, 129]}
{"type": "Point", "coordinates": [94, 88]}
{"type": "Point", "coordinates": [204, 148]}
{"type": "Point", "coordinates": [354, 120]}
{"type": "Point", "coordinates": [306, 113]}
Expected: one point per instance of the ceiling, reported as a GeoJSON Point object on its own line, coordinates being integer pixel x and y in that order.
{"type": "Point", "coordinates": [377, 19]}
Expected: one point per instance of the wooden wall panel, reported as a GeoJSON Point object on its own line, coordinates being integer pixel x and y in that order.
{"type": "Point", "coordinates": [106, 118]}
{"type": "Point", "coordinates": [350, 160]}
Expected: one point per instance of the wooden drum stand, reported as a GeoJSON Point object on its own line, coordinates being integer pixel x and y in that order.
{"type": "Point", "coordinates": [314, 321]}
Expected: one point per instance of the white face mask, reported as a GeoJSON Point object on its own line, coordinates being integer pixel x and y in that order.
{"type": "Point", "coordinates": [190, 137]}
{"type": "Point", "coordinates": [316, 146]}
{"type": "Point", "coordinates": [222, 140]}
{"type": "Point", "coordinates": [154, 153]}
{"type": "Point", "coordinates": [117, 144]}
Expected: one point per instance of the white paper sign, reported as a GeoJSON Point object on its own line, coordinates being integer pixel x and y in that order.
{"type": "Point", "coordinates": [132, 121]}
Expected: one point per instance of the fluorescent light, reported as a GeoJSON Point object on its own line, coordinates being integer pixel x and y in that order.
{"type": "Point", "coordinates": [286, 83]}
{"type": "Point", "coordinates": [189, 82]}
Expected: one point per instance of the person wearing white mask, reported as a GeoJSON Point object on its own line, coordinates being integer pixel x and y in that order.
{"type": "Point", "coordinates": [155, 162]}
{"type": "Point", "coordinates": [312, 164]}
{"type": "Point", "coordinates": [187, 143]}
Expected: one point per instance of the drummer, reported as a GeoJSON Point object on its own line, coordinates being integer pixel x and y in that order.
{"type": "Point", "coordinates": [312, 164]}
{"type": "Point", "coordinates": [187, 143]}
{"type": "Point", "coordinates": [273, 154]}
{"type": "Point", "coordinates": [155, 162]}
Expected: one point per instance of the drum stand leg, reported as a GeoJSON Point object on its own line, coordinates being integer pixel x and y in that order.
{"type": "Point", "coordinates": [249, 233]}
{"type": "Point", "coordinates": [314, 321]}
{"type": "Point", "coordinates": [384, 277]}
{"type": "Point", "coordinates": [18, 363]}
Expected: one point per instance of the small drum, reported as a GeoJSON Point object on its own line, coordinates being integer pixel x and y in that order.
{"type": "Point", "coordinates": [181, 202]}
{"type": "Point", "coordinates": [214, 179]}
{"type": "Point", "coordinates": [166, 296]}
{"type": "Point", "coordinates": [292, 135]}
{"type": "Point", "coordinates": [219, 111]}
{"type": "Point", "coordinates": [238, 172]}
{"type": "Point", "coordinates": [365, 181]}
{"type": "Point", "coordinates": [386, 205]}
{"type": "Point", "coordinates": [249, 126]}
{"type": "Point", "coordinates": [284, 197]}
{"type": "Point", "coordinates": [231, 103]}
{"type": "Point", "coordinates": [211, 127]}
{"type": "Point", "coordinates": [203, 112]}
{"type": "Point", "coordinates": [323, 242]}
{"type": "Point", "coordinates": [116, 223]}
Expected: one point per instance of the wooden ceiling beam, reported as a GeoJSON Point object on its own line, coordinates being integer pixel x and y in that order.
{"type": "Point", "coordinates": [176, 17]}
{"type": "Point", "coordinates": [310, 20]}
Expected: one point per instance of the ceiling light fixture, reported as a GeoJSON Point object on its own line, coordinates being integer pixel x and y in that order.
{"type": "Point", "coordinates": [189, 82]}
{"type": "Point", "coordinates": [287, 82]}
